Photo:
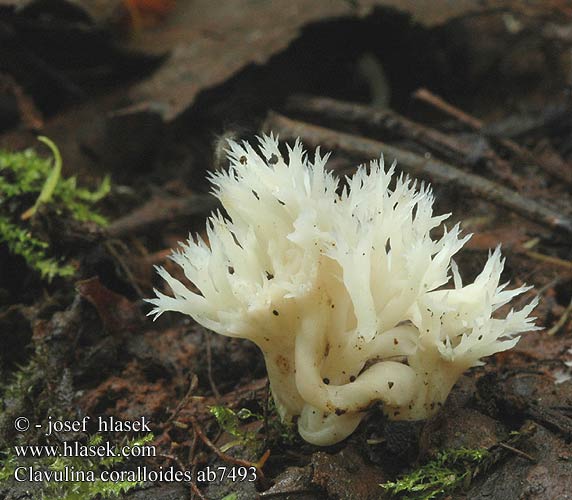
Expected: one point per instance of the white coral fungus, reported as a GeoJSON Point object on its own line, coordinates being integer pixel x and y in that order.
{"type": "Point", "coordinates": [343, 293]}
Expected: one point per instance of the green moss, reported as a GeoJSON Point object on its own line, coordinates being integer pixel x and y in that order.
{"type": "Point", "coordinates": [24, 177]}
{"type": "Point", "coordinates": [34, 251]}
{"type": "Point", "coordinates": [279, 433]}
{"type": "Point", "coordinates": [450, 470]}
{"type": "Point", "coordinates": [230, 421]}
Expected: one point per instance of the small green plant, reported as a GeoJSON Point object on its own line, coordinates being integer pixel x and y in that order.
{"type": "Point", "coordinates": [76, 490]}
{"type": "Point", "coordinates": [450, 470]}
{"type": "Point", "coordinates": [278, 432]}
{"type": "Point", "coordinates": [25, 177]}
{"type": "Point", "coordinates": [230, 421]}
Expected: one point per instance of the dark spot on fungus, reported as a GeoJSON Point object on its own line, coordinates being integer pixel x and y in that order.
{"type": "Point", "coordinates": [391, 384]}
{"type": "Point", "coordinates": [283, 364]}
{"type": "Point", "coordinates": [326, 381]}
{"type": "Point", "coordinates": [243, 160]}
{"type": "Point", "coordinates": [327, 350]}
{"type": "Point", "coordinates": [230, 270]}
{"type": "Point", "coordinates": [395, 341]}
{"type": "Point", "coordinates": [352, 378]}
{"type": "Point", "coordinates": [255, 194]}
{"type": "Point", "coordinates": [340, 411]}
{"type": "Point", "coordinates": [480, 337]}
{"type": "Point", "coordinates": [273, 160]}
{"type": "Point", "coordinates": [333, 306]}
{"type": "Point", "coordinates": [275, 312]}
{"type": "Point", "coordinates": [281, 203]}
{"type": "Point", "coordinates": [269, 276]}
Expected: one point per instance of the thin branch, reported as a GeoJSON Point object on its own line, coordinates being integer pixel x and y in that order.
{"type": "Point", "coordinates": [549, 259]}
{"type": "Point", "coordinates": [266, 410]}
{"type": "Point", "coordinates": [194, 383]}
{"type": "Point", "coordinates": [214, 388]}
{"type": "Point", "coordinates": [562, 321]}
{"type": "Point", "coordinates": [194, 488]}
{"type": "Point", "coordinates": [478, 125]}
{"type": "Point", "coordinates": [385, 120]}
{"type": "Point", "coordinates": [109, 245]}
{"type": "Point", "coordinates": [159, 211]}
{"type": "Point", "coordinates": [518, 452]}
{"type": "Point", "coordinates": [192, 460]}
{"type": "Point", "coordinates": [438, 102]}
{"type": "Point", "coordinates": [30, 115]}
{"type": "Point", "coordinates": [228, 458]}
{"type": "Point", "coordinates": [437, 171]}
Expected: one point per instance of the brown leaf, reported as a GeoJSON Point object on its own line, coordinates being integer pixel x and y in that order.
{"type": "Point", "coordinates": [116, 312]}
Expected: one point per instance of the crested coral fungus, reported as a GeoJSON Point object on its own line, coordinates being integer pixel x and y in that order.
{"type": "Point", "coordinates": [343, 289]}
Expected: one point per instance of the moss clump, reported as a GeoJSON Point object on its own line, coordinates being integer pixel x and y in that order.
{"type": "Point", "coordinates": [450, 470]}
{"type": "Point", "coordinates": [27, 178]}
{"type": "Point", "coordinates": [231, 421]}
{"type": "Point", "coordinates": [277, 432]}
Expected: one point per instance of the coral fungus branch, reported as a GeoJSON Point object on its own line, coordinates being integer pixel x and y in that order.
{"type": "Point", "coordinates": [341, 288]}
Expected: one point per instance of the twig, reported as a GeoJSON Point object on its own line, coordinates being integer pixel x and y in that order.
{"type": "Point", "coordinates": [207, 337]}
{"type": "Point", "coordinates": [518, 452]}
{"type": "Point", "coordinates": [499, 450]}
{"type": "Point", "coordinates": [193, 462]}
{"type": "Point", "coordinates": [123, 265]}
{"type": "Point", "coordinates": [197, 491]}
{"type": "Point", "coordinates": [29, 114]}
{"type": "Point", "coordinates": [194, 383]}
{"type": "Point", "coordinates": [439, 172]}
{"type": "Point", "coordinates": [439, 103]}
{"type": "Point", "coordinates": [549, 259]}
{"type": "Point", "coordinates": [554, 420]}
{"type": "Point", "coordinates": [562, 321]}
{"type": "Point", "coordinates": [293, 493]}
{"type": "Point", "coordinates": [158, 211]}
{"type": "Point", "coordinates": [478, 125]}
{"type": "Point", "coordinates": [266, 410]}
{"type": "Point", "coordinates": [194, 488]}
{"type": "Point", "coordinates": [375, 119]}
{"type": "Point", "coordinates": [228, 458]}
